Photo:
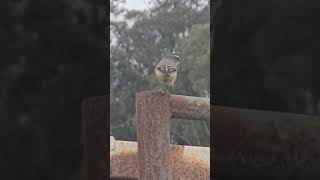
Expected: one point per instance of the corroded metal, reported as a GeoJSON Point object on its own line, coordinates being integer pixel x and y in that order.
{"type": "Point", "coordinates": [187, 162]}
{"type": "Point", "coordinates": [154, 111]}
{"type": "Point", "coordinates": [189, 107]}
{"type": "Point", "coordinates": [153, 133]}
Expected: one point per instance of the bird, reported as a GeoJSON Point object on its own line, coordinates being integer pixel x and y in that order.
{"type": "Point", "coordinates": [166, 71]}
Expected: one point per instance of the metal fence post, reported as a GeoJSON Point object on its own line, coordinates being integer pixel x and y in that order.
{"type": "Point", "coordinates": [153, 130]}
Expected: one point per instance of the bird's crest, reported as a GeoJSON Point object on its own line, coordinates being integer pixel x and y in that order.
{"type": "Point", "coordinates": [172, 55]}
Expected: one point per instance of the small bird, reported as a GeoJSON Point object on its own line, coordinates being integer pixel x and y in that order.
{"type": "Point", "coordinates": [166, 71]}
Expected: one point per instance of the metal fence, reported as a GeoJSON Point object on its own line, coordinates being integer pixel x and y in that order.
{"type": "Point", "coordinates": [249, 144]}
{"type": "Point", "coordinates": [154, 111]}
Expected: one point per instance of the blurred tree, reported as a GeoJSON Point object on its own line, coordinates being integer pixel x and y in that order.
{"type": "Point", "coordinates": [194, 69]}
{"type": "Point", "coordinates": [141, 36]}
{"type": "Point", "coordinates": [194, 79]}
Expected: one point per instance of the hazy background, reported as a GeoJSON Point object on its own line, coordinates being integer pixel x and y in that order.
{"type": "Point", "coordinates": [139, 34]}
{"type": "Point", "coordinates": [136, 5]}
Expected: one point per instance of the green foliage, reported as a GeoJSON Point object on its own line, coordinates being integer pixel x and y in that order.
{"type": "Point", "coordinates": [194, 69]}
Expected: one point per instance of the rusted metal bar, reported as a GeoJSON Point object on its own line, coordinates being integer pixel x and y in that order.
{"type": "Point", "coordinates": [122, 178]}
{"type": "Point", "coordinates": [188, 107]}
{"type": "Point", "coordinates": [153, 130]}
{"type": "Point", "coordinates": [255, 144]}
{"type": "Point", "coordinates": [187, 162]}
{"type": "Point", "coordinates": [95, 137]}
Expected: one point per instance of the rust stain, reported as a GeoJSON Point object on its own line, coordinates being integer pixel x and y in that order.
{"type": "Point", "coordinates": [123, 159]}
{"type": "Point", "coordinates": [190, 107]}
{"type": "Point", "coordinates": [187, 162]}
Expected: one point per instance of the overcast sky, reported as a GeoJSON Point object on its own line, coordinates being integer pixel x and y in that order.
{"type": "Point", "coordinates": [131, 4]}
{"type": "Point", "coordinates": [136, 4]}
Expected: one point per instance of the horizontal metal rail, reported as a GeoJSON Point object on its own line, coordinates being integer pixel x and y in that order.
{"type": "Point", "coordinates": [187, 162]}
{"type": "Point", "coordinates": [189, 107]}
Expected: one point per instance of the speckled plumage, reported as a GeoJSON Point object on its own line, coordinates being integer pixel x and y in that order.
{"type": "Point", "coordinates": [166, 71]}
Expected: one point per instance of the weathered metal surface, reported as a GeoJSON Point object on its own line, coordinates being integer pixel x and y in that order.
{"type": "Point", "coordinates": [188, 107]}
{"type": "Point", "coordinates": [123, 159]}
{"type": "Point", "coordinates": [95, 137]}
{"type": "Point", "coordinates": [264, 144]}
{"type": "Point", "coordinates": [122, 178]}
{"type": "Point", "coordinates": [153, 133]}
{"type": "Point", "coordinates": [187, 162]}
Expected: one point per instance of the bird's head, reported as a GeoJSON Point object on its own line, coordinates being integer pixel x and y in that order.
{"type": "Point", "coordinates": [174, 55]}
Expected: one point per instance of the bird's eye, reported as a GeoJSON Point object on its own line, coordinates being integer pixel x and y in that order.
{"type": "Point", "coordinates": [158, 68]}
{"type": "Point", "coordinates": [172, 70]}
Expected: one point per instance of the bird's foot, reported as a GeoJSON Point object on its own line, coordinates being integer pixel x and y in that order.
{"type": "Point", "coordinates": [168, 93]}
{"type": "Point", "coordinates": [165, 92]}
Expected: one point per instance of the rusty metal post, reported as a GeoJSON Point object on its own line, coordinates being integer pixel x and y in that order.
{"type": "Point", "coordinates": [153, 130]}
{"type": "Point", "coordinates": [95, 137]}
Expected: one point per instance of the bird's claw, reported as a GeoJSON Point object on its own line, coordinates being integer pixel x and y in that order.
{"type": "Point", "coordinates": [165, 92]}
{"type": "Point", "coordinates": [162, 92]}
